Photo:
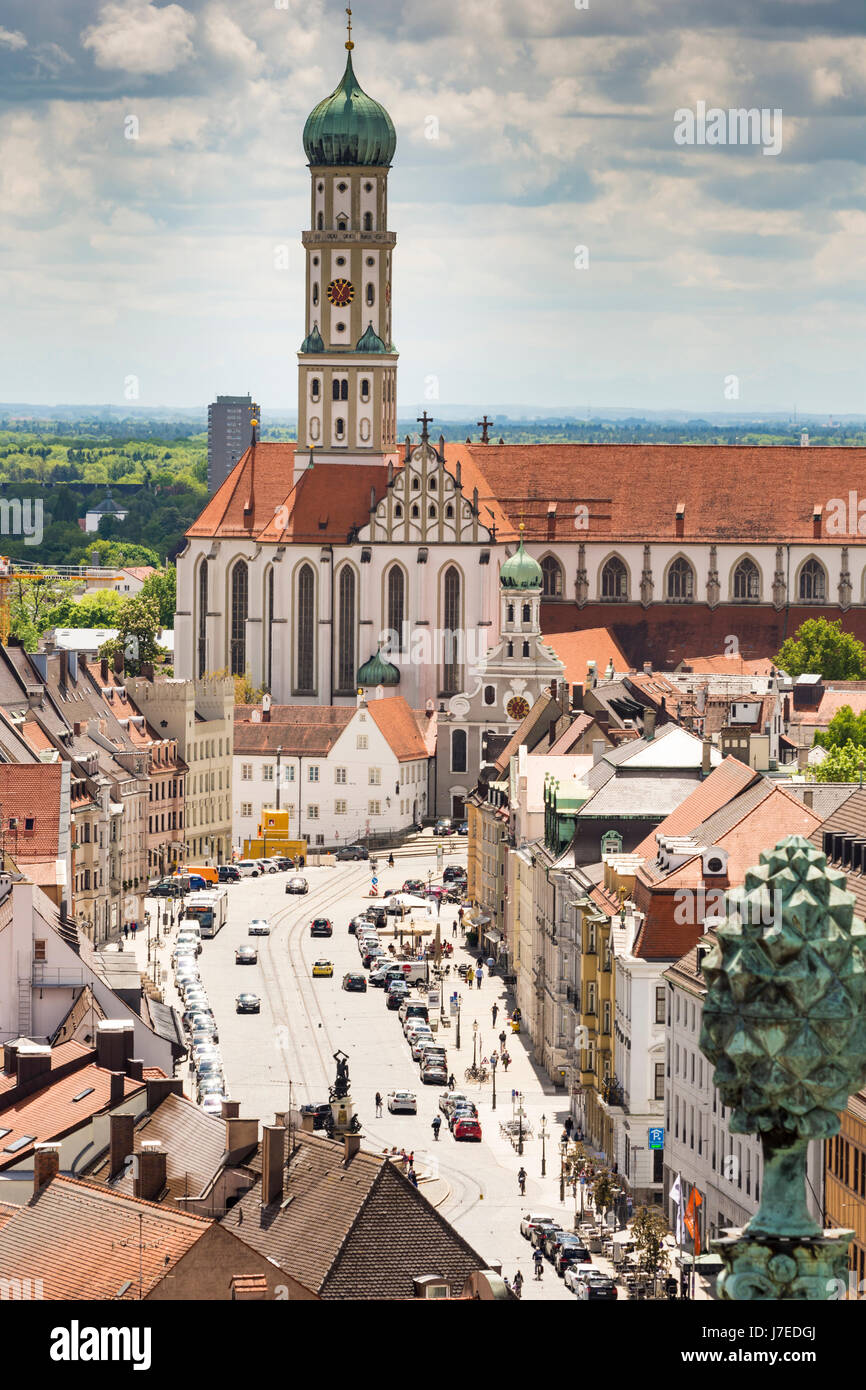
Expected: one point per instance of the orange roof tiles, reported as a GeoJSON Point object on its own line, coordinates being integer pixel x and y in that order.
{"type": "Point", "coordinates": [396, 721]}
{"type": "Point", "coordinates": [52, 1111]}
{"type": "Point", "coordinates": [724, 783]}
{"type": "Point", "coordinates": [576, 649]}
{"type": "Point", "coordinates": [65, 1055]}
{"type": "Point", "coordinates": [298, 729]}
{"type": "Point", "coordinates": [723, 663]}
{"type": "Point", "coordinates": [32, 790]}
{"type": "Point", "coordinates": [87, 1242]}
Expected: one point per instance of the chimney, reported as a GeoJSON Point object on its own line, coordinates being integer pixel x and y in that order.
{"type": "Point", "coordinates": [353, 1146]}
{"type": "Point", "coordinates": [10, 1058]}
{"type": "Point", "coordinates": [241, 1135]}
{"type": "Point", "coordinates": [706, 763]}
{"type": "Point", "coordinates": [649, 724]}
{"type": "Point", "coordinates": [34, 1059]}
{"type": "Point", "coordinates": [120, 1142]}
{"type": "Point", "coordinates": [591, 675]}
{"type": "Point", "coordinates": [577, 696]}
{"type": "Point", "coordinates": [46, 1165]}
{"type": "Point", "coordinates": [308, 1122]}
{"type": "Point", "coordinates": [553, 689]}
{"type": "Point", "coordinates": [64, 668]}
{"type": "Point", "coordinates": [114, 1040]}
{"type": "Point", "coordinates": [598, 747]}
{"type": "Point", "coordinates": [147, 670]}
{"type": "Point", "coordinates": [273, 1161]}
{"type": "Point", "coordinates": [151, 1171]}
{"type": "Point", "coordinates": [230, 1109]}
{"type": "Point", "coordinates": [158, 1087]}
{"type": "Point", "coordinates": [103, 670]}
{"type": "Point", "coordinates": [135, 1069]}
{"type": "Point", "coordinates": [118, 1089]}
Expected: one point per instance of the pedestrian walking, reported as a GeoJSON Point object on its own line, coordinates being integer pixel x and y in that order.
{"type": "Point", "coordinates": [521, 1178]}
{"type": "Point", "coordinates": [126, 930]}
{"type": "Point", "coordinates": [569, 1127]}
{"type": "Point", "coordinates": [452, 1084]}
{"type": "Point", "coordinates": [454, 927]}
{"type": "Point", "coordinates": [413, 1177]}
{"type": "Point", "coordinates": [506, 1060]}
{"type": "Point", "coordinates": [518, 1283]}
{"type": "Point", "coordinates": [479, 975]}
{"type": "Point", "coordinates": [494, 1011]}
{"type": "Point", "coordinates": [378, 1104]}
{"type": "Point", "coordinates": [502, 1037]}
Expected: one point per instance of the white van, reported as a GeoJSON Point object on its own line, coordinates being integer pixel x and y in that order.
{"type": "Point", "coordinates": [412, 970]}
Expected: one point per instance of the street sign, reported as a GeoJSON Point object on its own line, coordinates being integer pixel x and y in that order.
{"type": "Point", "coordinates": [375, 881]}
{"type": "Point", "coordinates": [656, 1138]}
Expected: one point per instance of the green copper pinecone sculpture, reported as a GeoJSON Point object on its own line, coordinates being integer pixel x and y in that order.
{"type": "Point", "coordinates": [783, 1020]}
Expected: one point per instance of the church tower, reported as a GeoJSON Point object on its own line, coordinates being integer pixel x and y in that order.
{"type": "Point", "coordinates": [347, 365]}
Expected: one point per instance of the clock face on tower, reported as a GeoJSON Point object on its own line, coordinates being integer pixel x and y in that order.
{"type": "Point", "coordinates": [517, 707]}
{"type": "Point", "coordinates": [341, 292]}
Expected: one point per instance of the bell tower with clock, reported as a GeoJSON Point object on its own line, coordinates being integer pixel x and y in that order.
{"type": "Point", "coordinates": [347, 365]}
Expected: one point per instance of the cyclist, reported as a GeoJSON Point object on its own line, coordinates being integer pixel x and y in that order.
{"type": "Point", "coordinates": [538, 1261]}
{"type": "Point", "coordinates": [437, 1125]}
{"type": "Point", "coordinates": [521, 1178]}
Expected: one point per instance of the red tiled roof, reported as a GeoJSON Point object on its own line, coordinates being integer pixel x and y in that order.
{"type": "Point", "coordinates": [139, 571]}
{"type": "Point", "coordinates": [32, 790]}
{"type": "Point", "coordinates": [396, 721]}
{"type": "Point", "coordinates": [572, 735]}
{"type": "Point", "coordinates": [724, 783]}
{"type": "Point", "coordinates": [194, 1144]}
{"type": "Point", "coordinates": [298, 729]}
{"type": "Point", "coordinates": [66, 1054]}
{"type": "Point", "coordinates": [87, 1242]}
{"type": "Point", "coordinates": [632, 491]}
{"type": "Point", "coordinates": [575, 649]}
{"type": "Point", "coordinates": [723, 664]}
{"type": "Point", "coordinates": [52, 1112]}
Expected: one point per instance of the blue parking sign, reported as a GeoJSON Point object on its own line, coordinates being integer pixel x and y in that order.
{"type": "Point", "coordinates": [375, 881]}
{"type": "Point", "coordinates": [656, 1138]}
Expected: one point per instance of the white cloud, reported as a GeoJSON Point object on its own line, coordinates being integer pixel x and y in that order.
{"type": "Point", "coordinates": [10, 38]}
{"type": "Point", "coordinates": [137, 37]}
{"type": "Point", "coordinates": [227, 41]}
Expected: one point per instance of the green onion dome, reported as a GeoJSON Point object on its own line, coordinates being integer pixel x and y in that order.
{"type": "Point", "coordinates": [349, 127]}
{"type": "Point", "coordinates": [313, 341]}
{"type": "Point", "coordinates": [370, 341]}
{"type": "Point", "coordinates": [377, 671]}
{"type": "Point", "coordinates": [521, 571]}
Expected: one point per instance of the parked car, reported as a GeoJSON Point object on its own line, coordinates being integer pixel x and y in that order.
{"type": "Point", "coordinates": [356, 923]}
{"type": "Point", "coordinates": [575, 1273]}
{"type": "Point", "coordinates": [541, 1231]}
{"type": "Point", "coordinates": [414, 885]}
{"type": "Point", "coordinates": [297, 884]}
{"type": "Point", "coordinates": [598, 1287]}
{"type": "Point", "coordinates": [323, 969]}
{"type": "Point", "coordinates": [268, 866]}
{"type": "Point", "coordinates": [461, 1112]}
{"type": "Point", "coordinates": [248, 1004]}
{"type": "Point", "coordinates": [355, 984]}
{"type": "Point", "coordinates": [467, 1128]}
{"type": "Point", "coordinates": [352, 852]}
{"type": "Point", "coordinates": [247, 868]}
{"type": "Point", "coordinates": [531, 1219]}
{"type": "Point", "coordinates": [393, 997]}
{"type": "Point", "coordinates": [320, 926]}
{"type": "Point", "coordinates": [449, 1099]}
{"type": "Point", "coordinates": [569, 1252]}
{"type": "Point", "coordinates": [454, 873]}
{"type": "Point", "coordinates": [416, 1043]}
{"type": "Point", "coordinates": [434, 1073]}
{"type": "Point", "coordinates": [204, 1024]}
{"type": "Point", "coordinates": [463, 828]}
{"type": "Point", "coordinates": [282, 863]}
{"type": "Point", "coordinates": [321, 1113]}
{"type": "Point", "coordinates": [443, 826]}
{"type": "Point", "coordinates": [377, 915]}
{"type": "Point", "coordinates": [411, 1008]}
{"type": "Point", "coordinates": [228, 873]}
{"type": "Point", "coordinates": [402, 1102]}
{"type": "Point", "coordinates": [259, 926]}
{"type": "Point", "coordinates": [246, 955]}
{"type": "Point", "coordinates": [166, 888]}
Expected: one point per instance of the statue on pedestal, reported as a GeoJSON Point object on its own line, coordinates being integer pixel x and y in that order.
{"type": "Point", "coordinates": [343, 1118]}
{"type": "Point", "coordinates": [784, 1023]}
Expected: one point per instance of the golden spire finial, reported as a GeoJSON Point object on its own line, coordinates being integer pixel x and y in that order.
{"type": "Point", "coordinates": [349, 43]}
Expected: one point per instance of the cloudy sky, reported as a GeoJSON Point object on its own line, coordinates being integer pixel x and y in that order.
{"type": "Point", "coordinates": [718, 277]}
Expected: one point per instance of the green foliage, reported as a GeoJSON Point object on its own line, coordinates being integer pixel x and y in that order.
{"type": "Point", "coordinates": [845, 762]}
{"type": "Point", "coordinates": [91, 610]}
{"type": "Point", "coordinates": [138, 625]}
{"type": "Point", "coordinates": [163, 587]}
{"type": "Point", "coordinates": [648, 1230]}
{"type": "Point", "coordinates": [821, 647]}
{"type": "Point", "coordinates": [603, 1189]}
{"type": "Point", "coordinates": [845, 727]}
{"type": "Point", "coordinates": [119, 554]}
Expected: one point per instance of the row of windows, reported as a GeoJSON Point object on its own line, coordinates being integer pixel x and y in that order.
{"type": "Point", "coordinates": [341, 808]}
{"type": "Point", "coordinates": [305, 626]}
{"type": "Point", "coordinates": [158, 790]}
{"type": "Point", "coordinates": [680, 585]}
{"type": "Point", "coordinates": [848, 1163]}
{"type": "Point", "coordinates": [342, 223]}
{"type": "Point", "coordinates": [156, 824]}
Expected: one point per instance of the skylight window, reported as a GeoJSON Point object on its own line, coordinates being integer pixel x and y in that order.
{"type": "Point", "coordinates": [81, 1094]}
{"type": "Point", "coordinates": [19, 1143]}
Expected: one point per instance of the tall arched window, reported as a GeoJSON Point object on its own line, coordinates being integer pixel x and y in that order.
{"type": "Point", "coordinates": [813, 582]}
{"type": "Point", "coordinates": [368, 221]}
{"type": "Point", "coordinates": [202, 617]}
{"type": "Point", "coordinates": [269, 629]}
{"type": "Point", "coordinates": [451, 614]}
{"type": "Point", "coordinates": [344, 389]}
{"type": "Point", "coordinates": [681, 581]}
{"type": "Point", "coordinates": [306, 630]}
{"type": "Point", "coordinates": [458, 750]}
{"type": "Point", "coordinates": [614, 580]}
{"type": "Point", "coordinates": [396, 604]}
{"type": "Point", "coordinates": [239, 610]}
{"type": "Point", "coordinates": [346, 649]}
{"type": "Point", "coordinates": [552, 572]}
{"type": "Point", "coordinates": [747, 580]}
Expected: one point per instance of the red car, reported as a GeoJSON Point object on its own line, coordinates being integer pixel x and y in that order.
{"type": "Point", "coordinates": [321, 927]}
{"type": "Point", "coordinates": [468, 1129]}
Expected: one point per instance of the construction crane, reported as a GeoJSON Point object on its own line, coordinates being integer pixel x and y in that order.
{"type": "Point", "coordinates": [23, 569]}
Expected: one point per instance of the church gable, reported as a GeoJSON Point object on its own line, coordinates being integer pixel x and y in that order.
{"type": "Point", "coordinates": [426, 503]}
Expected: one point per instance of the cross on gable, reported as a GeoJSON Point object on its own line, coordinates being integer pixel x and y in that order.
{"type": "Point", "coordinates": [484, 426]}
{"type": "Point", "coordinates": [424, 420]}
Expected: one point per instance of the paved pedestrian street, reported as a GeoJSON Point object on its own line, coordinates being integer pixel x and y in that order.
{"type": "Point", "coordinates": [305, 1020]}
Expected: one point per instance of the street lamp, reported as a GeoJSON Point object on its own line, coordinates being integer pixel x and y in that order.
{"type": "Point", "coordinates": [563, 1150]}
{"type": "Point", "coordinates": [493, 1061]}
{"type": "Point", "coordinates": [543, 1148]}
{"type": "Point", "coordinates": [279, 755]}
{"type": "Point", "coordinates": [458, 1023]}
{"type": "Point", "coordinates": [474, 1040]}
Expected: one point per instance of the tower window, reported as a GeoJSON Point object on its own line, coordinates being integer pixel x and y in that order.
{"type": "Point", "coordinates": [552, 577]}
{"type": "Point", "coordinates": [416, 482]}
{"type": "Point", "coordinates": [365, 388]}
{"type": "Point", "coordinates": [509, 613]}
{"type": "Point", "coordinates": [371, 260]}
{"type": "Point", "coordinates": [431, 512]}
{"type": "Point", "coordinates": [509, 650]}
{"type": "Point", "coordinates": [341, 187]}
{"type": "Point", "coordinates": [368, 188]}
{"type": "Point", "coordinates": [371, 293]}
{"type": "Point", "coordinates": [398, 511]}
{"type": "Point", "coordinates": [315, 260]}
{"type": "Point", "coordinates": [314, 388]}
{"type": "Point", "coordinates": [320, 222]}
{"type": "Point", "coordinates": [335, 390]}
{"type": "Point", "coordinates": [341, 225]}
{"type": "Point", "coordinates": [315, 293]}
{"type": "Point", "coordinates": [526, 649]}
{"type": "Point", "coordinates": [341, 328]}
{"type": "Point", "coordinates": [432, 484]}
{"type": "Point", "coordinates": [344, 389]}
{"type": "Point", "coordinates": [339, 426]}
{"type": "Point", "coordinates": [526, 612]}
{"type": "Point", "coordinates": [415, 512]}
{"type": "Point", "coordinates": [321, 188]}
{"type": "Point", "coordinates": [368, 221]}
{"type": "Point", "coordinates": [341, 260]}
{"type": "Point", "coordinates": [490, 694]}
{"type": "Point", "coordinates": [449, 510]}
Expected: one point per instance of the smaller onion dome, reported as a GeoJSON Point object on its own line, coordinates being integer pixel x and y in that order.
{"type": "Point", "coordinates": [377, 671]}
{"type": "Point", "coordinates": [313, 341]}
{"type": "Point", "coordinates": [521, 571]}
{"type": "Point", "coordinates": [370, 341]}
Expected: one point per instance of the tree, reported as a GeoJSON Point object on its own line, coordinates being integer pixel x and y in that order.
{"type": "Point", "coordinates": [821, 647]}
{"type": "Point", "coordinates": [91, 610]}
{"type": "Point", "coordinates": [648, 1230]}
{"type": "Point", "coordinates": [845, 727]}
{"type": "Point", "coordinates": [163, 587]}
{"type": "Point", "coordinates": [32, 604]}
{"type": "Point", "coordinates": [603, 1189]}
{"type": "Point", "coordinates": [846, 762]}
{"type": "Point", "coordinates": [137, 626]}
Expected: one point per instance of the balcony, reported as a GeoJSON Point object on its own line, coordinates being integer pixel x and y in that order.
{"type": "Point", "coordinates": [56, 977]}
